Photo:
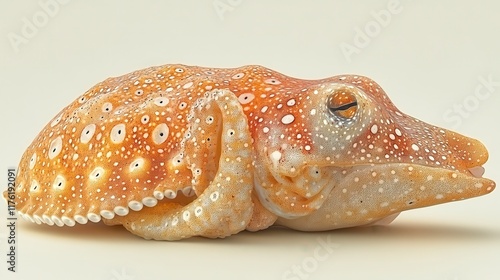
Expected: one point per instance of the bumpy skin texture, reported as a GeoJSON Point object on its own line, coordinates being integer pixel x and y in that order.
{"type": "Point", "coordinates": [176, 151]}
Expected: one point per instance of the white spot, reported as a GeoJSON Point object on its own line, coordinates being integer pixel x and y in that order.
{"type": "Point", "coordinates": [161, 101]}
{"type": "Point", "coordinates": [275, 157]}
{"type": "Point", "coordinates": [93, 217]}
{"type": "Point", "coordinates": [288, 119]}
{"type": "Point", "coordinates": [55, 147]}
{"type": "Point", "coordinates": [87, 133]}
{"type": "Point", "coordinates": [264, 109]}
{"type": "Point", "coordinates": [186, 215]}
{"type": "Point", "coordinates": [160, 133]}
{"type": "Point", "coordinates": [182, 105]}
{"type": "Point", "coordinates": [197, 211]}
{"type": "Point", "coordinates": [209, 120]}
{"type": "Point", "coordinates": [214, 196]}
{"type": "Point", "coordinates": [56, 221]}
{"type": "Point", "coordinates": [59, 183]}
{"type": "Point", "coordinates": [158, 195]}
{"type": "Point", "coordinates": [37, 219]}
{"type": "Point", "coordinates": [68, 221]}
{"type": "Point", "coordinates": [272, 82]}
{"type": "Point", "coordinates": [415, 147]}
{"type": "Point", "coordinates": [149, 201]}
{"type": "Point", "coordinates": [135, 205]}
{"type": "Point", "coordinates": [145, 119]}
{"type": "Point", "coordinates": [96, 173]}
{"type": "Point", "coordinates": [246, 98]}
{"type": "Point", "coordinates": [107, 214]}
{"type": "Point", "coordinates": [290, 102]}
{"type": "Point", "coordinates": [439, 196]}
{"type": "Point", "coordinates": [35, 187]}
{"type": "Point", "coordinates": [398, 132]}
{"type": "Point", "coordinates": [170, 194]}
{"type": "Point", "coordinates": [238, 76]}
{"type": "Point", "coordinates": [81, 219]}
{"type": "Point", "coordinates": [107, 107]}
{"type": "Point", "coordinates": [47, 220]}
{"type": "Point", "coordinates": [313, 112]}
{"type": "Point", "coordinates": [56, 121]}
{"type": "Point", "coordinates": [187, 85]}
{"type": "Point", "coordinates": [136, 165]}
{"type": "Point", "coordinates": [265, 129]}
{"type": "Point", "coordinates": [33, 161]}
{"type": "Point", "coordinates": [117, 133]}
{"type": "Point", "coordinates": [120, 210]}
{"type": "Point", "coordinates": [374, 129]}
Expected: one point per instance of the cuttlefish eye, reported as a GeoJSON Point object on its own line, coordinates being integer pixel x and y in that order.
{"type": "Point", "coordinates": [342, 103]}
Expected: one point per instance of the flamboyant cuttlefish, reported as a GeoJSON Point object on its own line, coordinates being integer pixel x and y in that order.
{"type": "Point", "coordinates": [176, 151]}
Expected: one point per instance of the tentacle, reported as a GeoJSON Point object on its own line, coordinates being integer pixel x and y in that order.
{"type": "Point", "coordinates": [222, 177]}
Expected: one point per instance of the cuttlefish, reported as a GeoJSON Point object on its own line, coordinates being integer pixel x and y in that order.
{"type": "Point", "coordinates": [176, 151]}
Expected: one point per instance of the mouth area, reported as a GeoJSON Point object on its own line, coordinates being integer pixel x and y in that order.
{"type": "Point", "coordinates": [477, 171]}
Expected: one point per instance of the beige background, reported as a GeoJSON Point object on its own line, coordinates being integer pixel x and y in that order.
{"type": "Point", "coordinates": [429, 57]}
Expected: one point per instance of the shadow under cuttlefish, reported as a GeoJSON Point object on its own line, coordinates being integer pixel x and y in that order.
{"type": "Point", "coordinates": [411, 231]}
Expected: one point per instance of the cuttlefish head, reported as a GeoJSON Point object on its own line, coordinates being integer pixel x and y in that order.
{"type": "Point", "coordinates": [362, 160]}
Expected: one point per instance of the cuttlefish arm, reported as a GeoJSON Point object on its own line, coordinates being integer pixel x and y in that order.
{"type": "Point", "coordinates": [224, 205]}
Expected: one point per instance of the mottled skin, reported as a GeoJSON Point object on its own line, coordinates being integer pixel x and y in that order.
{"type": "Point", "coordinates": [176, 151]}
